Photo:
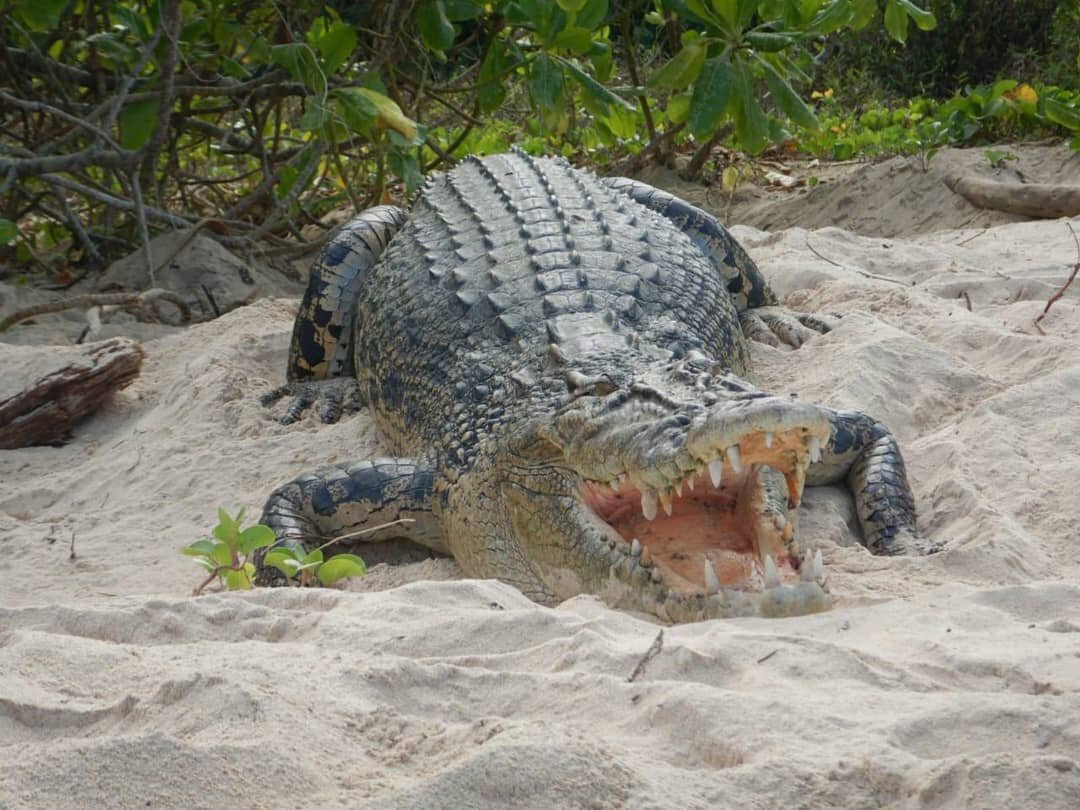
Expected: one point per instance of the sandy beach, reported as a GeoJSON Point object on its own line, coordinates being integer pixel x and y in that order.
{"type": "Point", "coordinates": [950, 680]}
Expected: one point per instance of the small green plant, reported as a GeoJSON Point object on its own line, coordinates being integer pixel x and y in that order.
{"type": "Point", "coordinates": [228, 558]}
{"type": "Point", "coordinates": [998, 158]}
{"type": "Point", "coordinates": [311, 568]}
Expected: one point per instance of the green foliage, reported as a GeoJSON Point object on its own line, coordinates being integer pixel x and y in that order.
{"type": "Point", "coordinates": [227, 556]}
{"type": "Point", "coordinates": [277, 115]}
{"type": "Point", "coordinates": [307, 569]}
{"type": "Point", "coordinates": [1005, 110]}
{"type": "Point", "coordinates": [973, 42]}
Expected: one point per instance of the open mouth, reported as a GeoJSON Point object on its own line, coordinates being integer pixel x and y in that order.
{"type": "Point", "coordinates": [723, 526]}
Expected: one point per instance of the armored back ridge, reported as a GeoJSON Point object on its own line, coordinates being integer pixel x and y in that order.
{"type": "Point", "coordinates": [557, 359]}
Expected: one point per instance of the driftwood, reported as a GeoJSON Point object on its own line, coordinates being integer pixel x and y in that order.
{"type": "Point", "coordinates": [46, 390]}
{"type": "Point", "coordinates": [1044, 200]}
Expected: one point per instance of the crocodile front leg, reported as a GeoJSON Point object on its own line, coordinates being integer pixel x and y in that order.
{"type": "Point", "coordinates": [355, 499]}
{"type": "Point", "coordinates": [862, 452]}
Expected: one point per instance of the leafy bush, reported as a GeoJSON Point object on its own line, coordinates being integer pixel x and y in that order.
{"type": "Point", "coordinates": [228, 557]}
{"type": "Point", "coordinates": [974, 42]}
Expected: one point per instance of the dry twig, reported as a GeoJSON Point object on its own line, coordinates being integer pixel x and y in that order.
{"type": "Point", "coordinates": [650, 654]}
{"type": "Point", "coordinates": [1065, 286]}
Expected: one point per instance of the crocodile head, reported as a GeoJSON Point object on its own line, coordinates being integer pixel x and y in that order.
{"type": "Point", "coordinates": [669, 491]}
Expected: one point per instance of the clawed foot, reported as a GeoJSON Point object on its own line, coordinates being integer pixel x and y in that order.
{"type": "Point", "coordinates": [335, 396]}
{"type": "Point", "coordinates": [777, 325]}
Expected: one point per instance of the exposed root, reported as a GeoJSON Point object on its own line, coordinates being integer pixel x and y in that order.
{"type": "Point", "coordinates": [1042, 200]}
{"type": "Point", "coordinates": [1065, 286]}
{"type": "Point", "coordinates": [142, 302]}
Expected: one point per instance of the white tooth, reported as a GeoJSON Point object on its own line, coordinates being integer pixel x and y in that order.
{"type": "Point", "coordinates": [622, 478]}
{"type": "Point", "coordinates": [716, 471]}
{"type": "Point", "coordinates": [614, 484]}
{"type": "Point", "coordinates": [712, 582]}
{"type": "Point", "coordinates": [635, 547]}
{"type": "Point", "coordinates": [819, 566]}
{"type": "Point", "coordinates": [734, 459]}
{"type": "Point", "coordinates": [665, 501]}
{"type": "Point", "coordinates": [768, 439]}
{"type": "Point", "coordinates": [648, 503]}
{"type": "Point", "coordinates": [690, 481]}
{"type": "Point", "coordinates": [772, 576]}
{"type": "Point", "coordinates": [815, 449]}
{"type": "Point", "coordinates": [678, 489]}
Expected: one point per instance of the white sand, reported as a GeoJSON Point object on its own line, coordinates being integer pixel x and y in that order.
{"type": "Point", "coordinates": [947, 681]}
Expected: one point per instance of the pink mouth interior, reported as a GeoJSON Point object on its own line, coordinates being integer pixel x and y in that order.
{"type": "Point", "coordinates": [718, 525]}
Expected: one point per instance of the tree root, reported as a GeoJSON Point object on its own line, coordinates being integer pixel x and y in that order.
{"type": "Point", "coordinates": [1042, 200]}
{"type": "Point", "coordinates": [143, 303]}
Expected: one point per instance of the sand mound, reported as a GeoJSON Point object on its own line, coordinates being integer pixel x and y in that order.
{"type": "Point", "coordinates": [947, 681]}
{"type": "Point", "coordinates": [900, 196]}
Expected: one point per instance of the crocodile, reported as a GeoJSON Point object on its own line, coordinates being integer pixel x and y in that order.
{"type": "Point", "coordinates": [560, 363]}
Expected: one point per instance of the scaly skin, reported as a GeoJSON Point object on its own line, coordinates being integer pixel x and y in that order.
{"type": "Point", "coordinates": [559, 362]}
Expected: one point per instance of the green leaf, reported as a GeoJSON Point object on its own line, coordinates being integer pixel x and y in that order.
{"type": "Point", "coordinates": [284, 560]}
{"type": "Point", "coordinates": [678, 108]}
{"type": "Point", "coordinates": [573, 38]}
{"type": "Point", "coordinates": [242, 580]}
{"type": "Point", "coordinates": [833, 16]}
{"type": "Point", "coordinates": [221, 554]}
{"type": "Point", "coordinates": [768, 42]}
{"type": "Point", "coordinates": [712, 94]}
{"type": "Point", "coordinates": [113, 48]}
{"type": "Point", "coordinates": [896, 21]}
{"type": "Point", "coordinates": [546, 17]}
{"type": "Point", "coordinates": [435, 27]}
{"type": "Point", "coordinates": [595, 90]}
{"type": "Point", "coordinates": [202, 548]}
{"type": "Point", "coordinates": [622, 123]}
{"type": "Point", "coordinates": [40, 14]}
{"type": "Point", "coordinates": [1003, 86]}
{"type": "Point", "coordinates": [389, 115]}
{"type": "Point", "coordinates": [313, 557]}
{"type": "Point", "coordinates": [728, 11]}
{"type": "Point", "coordinates": [9, 232]}
{"type": "Point", "coordinates": [546, 82]}
{"type": "Point", "coordinates": [592, 14]}
{"type": "Point", "coordinates": [787, 99]}
{"type": "Point", "coordinates": [490, 91]}
{"type": "Point", "coordinates": [226, 529]}
{"type": "Point", "coordinates": [681, 70]}
{"type": "Point", "coordinates": [336, 45]}
{"type": "Point", "coordinates": [134, 22]}
{"type": "Point", "coordinates": [355, 109]}
{"type": "Point", "coordinates": [571, 5]}
{"type": "Point", "coordinates": [751, 125]}
{"type": "Point", "coordinates": [341, 566]}
{"type": "Point", "coordinates": [405, 166]}
{"type": "Point", "coordinates": [864, 12]}
{"type": "Point", "coordinates": [300, 61]}
{"type": "Point", "coordinates": [461, 10]}
{"type": "Point", "coordinates": [1061, 113]}
{"type": "Point", "coordinates": [924, 19]}
{"type": "Point", "coordinates": [254, 537]}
